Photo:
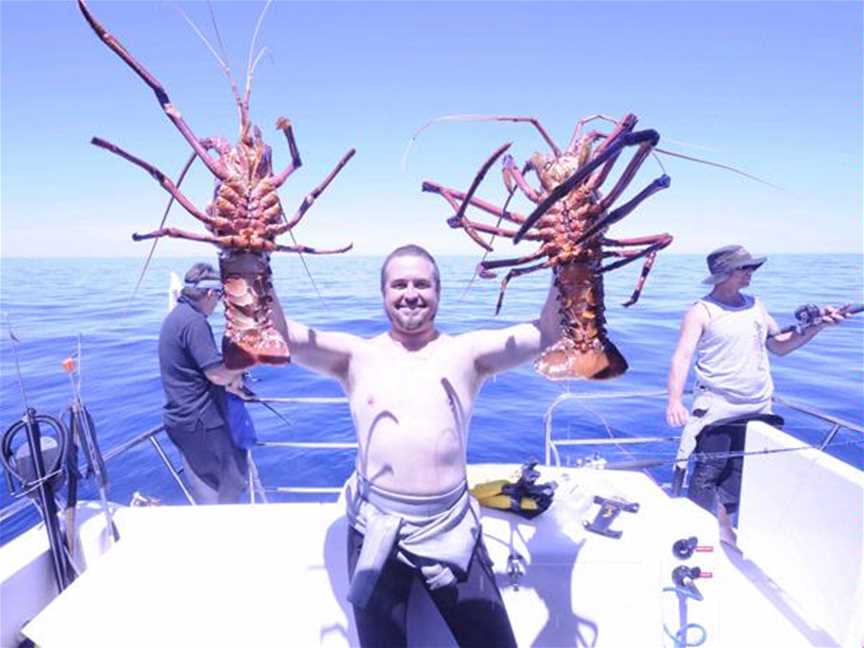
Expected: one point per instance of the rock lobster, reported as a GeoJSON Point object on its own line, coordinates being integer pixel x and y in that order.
{"type": "Point", "coordinates": [244, 217]}
{"type": "Point", "coordinates": [570, 221]}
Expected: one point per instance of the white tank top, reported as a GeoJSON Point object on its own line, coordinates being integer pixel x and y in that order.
{"type": "Point", "coordinates": [731, 357]}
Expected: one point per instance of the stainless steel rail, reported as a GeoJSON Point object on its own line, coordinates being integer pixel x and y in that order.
{"type": "Point", "coordinates": [836, 423]}
{"type": "Point", "coordinates": [22, 503]}
{"type": "Point", "coordinates": [552, 444]}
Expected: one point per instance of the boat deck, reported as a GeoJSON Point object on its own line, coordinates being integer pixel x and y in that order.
{"type": "Point", "coordinates": [275, 574]}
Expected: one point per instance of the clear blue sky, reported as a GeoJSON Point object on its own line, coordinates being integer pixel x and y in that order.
{"type": "Point", "coordinates": [773, 88]}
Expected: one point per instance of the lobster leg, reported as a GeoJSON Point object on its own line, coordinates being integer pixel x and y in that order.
{"type": "Point", "coordinates": [434, 187]}
{"type": "Point", "coordinates": [285, 126]}
{"type": "Point", "coordinates": [512, 175]}
{"type": "Point", "coordinates": [173, 232]}
{"type": "Point", "coordinates": [501, 263]}
{"type": "Point", "coordinates": [161, 96]}
{"type": "Point", "coordinates": [459, 220]}
{"type": "Point", "coordinates": [656, 243]}
{"type": "Point", "coordinates": [167, 184]}
{"type": "Point", "coordinates": [613, 149]}
{"type": "Point", "coordinates": [498, 231]}
{"type": "Point", "coordinates": [625, 126]}
{"type": "Point", "coordinates": [518, 272]}
{"type": "Point", "coordinates": [575, 139]}
{"type": "Point", "coordinates": [312, 196]}
{"type": "Point", "coordinates": [628, 175]}
{"type": "Point", "coordinates": [536, 124]}
{"type": "Point", "coordinates": [465, 223]}
{"type": "Point", "coordinates": [479, 178]}
{"type": "Point", "coordinates": [472, 227]}
{"type": "Point", "coordinates": [624, 210]}
{"type": "Point", "coordinates": [583, 147]}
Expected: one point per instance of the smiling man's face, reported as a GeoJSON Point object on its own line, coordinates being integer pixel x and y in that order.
{"type": "Point", "coordinates": [410, 295]}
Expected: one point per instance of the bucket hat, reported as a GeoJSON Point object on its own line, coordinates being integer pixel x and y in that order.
{"type": "Point", "coordinates": [725, 260]}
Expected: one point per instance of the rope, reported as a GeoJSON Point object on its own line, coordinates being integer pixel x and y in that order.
{"type": "Point", "coordinates": [680, 636]}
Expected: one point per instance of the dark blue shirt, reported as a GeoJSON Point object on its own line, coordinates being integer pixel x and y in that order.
{"type": "Point", "coordinates": [186, 349]}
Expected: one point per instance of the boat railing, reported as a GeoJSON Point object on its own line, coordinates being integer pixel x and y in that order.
{"type": "Point", "coordinates": [836, 422]}
{"type": "Point", "coordinates": [553, 444]}
{"type": "Point", "coordinates": [22, 503]}
{"type": "Point", "coordinates": [307, 445]}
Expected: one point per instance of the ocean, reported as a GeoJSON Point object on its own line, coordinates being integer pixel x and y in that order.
{"type": "Point", "coordinates": [50, 303]}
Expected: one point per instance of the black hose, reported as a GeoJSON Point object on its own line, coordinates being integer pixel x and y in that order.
{"type": "Point", "coordinates": [7, 454]}
{"type": "Point", "coordinates": [40, 485]}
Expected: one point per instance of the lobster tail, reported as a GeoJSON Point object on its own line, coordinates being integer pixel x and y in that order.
{"type": "Point", "coordinates": [250, 337]}
{"type": "Point", "coordinates": [583, 351]}
{"type": "Point", "coordinates": [564, 360]}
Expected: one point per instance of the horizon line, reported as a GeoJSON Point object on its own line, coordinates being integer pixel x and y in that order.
{"type": "Point", "coordinates": [378, 255]}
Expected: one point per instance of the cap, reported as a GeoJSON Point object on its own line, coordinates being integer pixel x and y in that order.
{"type": "Point", "coordinates": [202, 275]}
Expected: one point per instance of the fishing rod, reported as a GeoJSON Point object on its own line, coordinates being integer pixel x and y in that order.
{"type": "Point", "coordinates": [810, 315]}
{"type": "Point", "coordinates": [38, 466]}
{"type": "Point", "coordinates": [83, 433]}
{"type": "Point", "coordinates": [249, 396]}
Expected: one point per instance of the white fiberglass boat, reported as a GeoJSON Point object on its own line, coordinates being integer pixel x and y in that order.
{"type": "Point", "coordinates": [269, 574]}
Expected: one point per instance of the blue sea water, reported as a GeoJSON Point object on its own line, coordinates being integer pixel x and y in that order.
{"type": "Point", "coordinates": [48, 303]}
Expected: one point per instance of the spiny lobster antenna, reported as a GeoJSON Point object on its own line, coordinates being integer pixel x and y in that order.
{"type": "Point", "coordinates": [220, 59]}
{"type": "Point", "coordinates": [252, 63]}
{"type": "Point", "coordinates": [718, 165]}
{"type": "Point", "coordinates": [234, 90]}
{"type": "Point", "coordinates": [726, 167]}
{"type": "Point", "coordinates": [464, 118]}
{"type": "Point", "coordinates": [149, 258]}
{"type": "Point", "coordinates": [491, 240]}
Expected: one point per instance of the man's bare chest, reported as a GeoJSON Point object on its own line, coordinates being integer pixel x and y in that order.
{"type": "Point", "coordinates": [411, 382]}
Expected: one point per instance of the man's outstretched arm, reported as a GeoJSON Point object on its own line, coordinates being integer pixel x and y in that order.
{"type": "Point", "coordinates": [322, 351]}
{"type": "Point", "coordinates": [501, 349]}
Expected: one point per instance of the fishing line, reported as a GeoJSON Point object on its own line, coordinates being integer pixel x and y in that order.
{"type": "Point", "coordinates": [734, 454]}
{"type": "Point", "coordinates": [486, 253]}
{"type": "Point", "coordinates": [15, 342]}
{"type": "Point", "coordinates": [180, 179]}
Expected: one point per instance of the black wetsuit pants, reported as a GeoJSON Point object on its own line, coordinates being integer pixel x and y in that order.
{"type": "Point", "coordinates": [472, 607]}
{"type": "Point", "coordinates": [717, 480]}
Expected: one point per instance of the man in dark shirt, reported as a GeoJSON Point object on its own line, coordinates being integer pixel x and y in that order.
{"type": "Point", "coordinates": [194, 378]}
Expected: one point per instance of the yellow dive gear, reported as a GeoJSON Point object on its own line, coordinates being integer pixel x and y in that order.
{"type": "Point", "coordinates": [524, 497]}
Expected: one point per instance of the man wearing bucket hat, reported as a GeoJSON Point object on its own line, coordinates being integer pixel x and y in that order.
{"type": "Point", "coordinates": [730, 333]}
{"type": "Point", "coordinates": [194, 379]}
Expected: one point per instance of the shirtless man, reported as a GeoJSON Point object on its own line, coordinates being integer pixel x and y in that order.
{"type": "Point", "coordinates": [411, 392]}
